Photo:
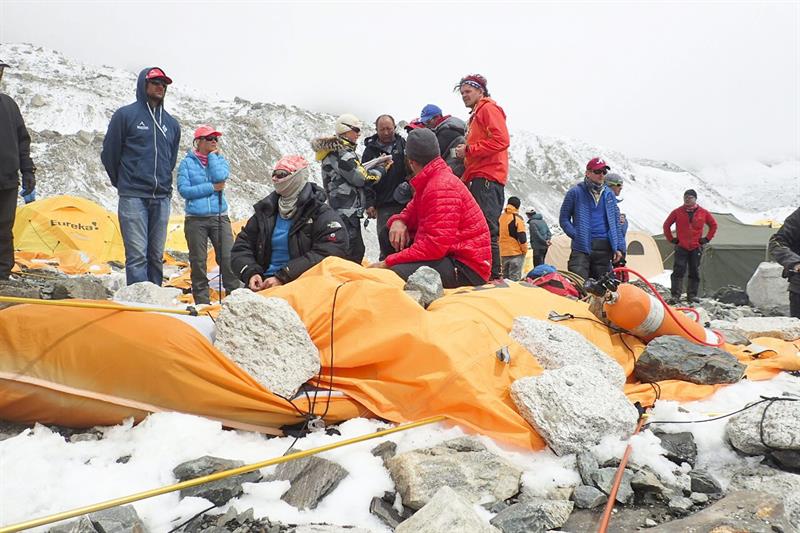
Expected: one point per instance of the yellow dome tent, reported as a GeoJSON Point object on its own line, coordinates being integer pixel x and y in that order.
{"type": "Point", "coordinates": [176, 240]}
{"type": "Point", "coordinates": [68, 224]}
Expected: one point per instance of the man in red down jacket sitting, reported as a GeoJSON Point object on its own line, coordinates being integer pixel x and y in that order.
{"type": "Point", "coordinates": [442, 227]}
{"type": "Point", "coordinates": [690, 221]}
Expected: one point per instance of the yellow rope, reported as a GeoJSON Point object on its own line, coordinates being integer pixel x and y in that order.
{"type": "Point", "coordinates": [96, 305]}
{"type": "Point", "coordinates": [212, 477]}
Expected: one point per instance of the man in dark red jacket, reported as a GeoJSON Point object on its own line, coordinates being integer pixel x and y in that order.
{"type": "Point", "coordinates": [485, 156]}
{"type": "Point", "coordinates": [443, 226]}
{"type": "Point", "coordinates": [690, 219]}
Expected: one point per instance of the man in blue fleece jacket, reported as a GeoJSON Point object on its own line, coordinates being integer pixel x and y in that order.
{"type": "Point", "coordinates": [590, 217]}
{"type": "Point", "coordinates": [139, 154]}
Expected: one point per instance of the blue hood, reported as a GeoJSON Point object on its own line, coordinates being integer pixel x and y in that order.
{"type": "Point", "coordinates": [141, 85]}
{"type": "Point", "coordinates": [141, 147]}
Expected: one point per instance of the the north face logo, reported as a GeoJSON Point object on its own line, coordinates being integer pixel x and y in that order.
{"type": "Point", "coordinates": [142, 126]}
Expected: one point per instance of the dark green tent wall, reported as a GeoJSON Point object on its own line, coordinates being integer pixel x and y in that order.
{"type": "Point", "coordinates": [731, 258]}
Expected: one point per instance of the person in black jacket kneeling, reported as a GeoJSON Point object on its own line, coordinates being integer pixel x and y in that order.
{"type": "Point", "coordinates": [292, 230]}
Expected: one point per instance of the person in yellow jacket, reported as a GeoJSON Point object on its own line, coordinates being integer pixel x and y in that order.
{"type": "Point", "coordinates": [513, 240]}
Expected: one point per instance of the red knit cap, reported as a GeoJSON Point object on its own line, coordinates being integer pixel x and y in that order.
{"type": "Point", "coordinates": [291, 163]}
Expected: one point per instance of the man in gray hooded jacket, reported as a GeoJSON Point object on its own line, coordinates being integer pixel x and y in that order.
{"type": "Point", "coordinates": [540, 236]}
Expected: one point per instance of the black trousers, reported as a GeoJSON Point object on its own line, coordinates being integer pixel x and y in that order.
{"type": "Point", "coordinates": [538, 256]}
{"type": "Point", "coordinates": [198, 231]}
{"type": "Point", "coordinates": [385, 212]}
{"type": "Point", "coordinates": [490, 196]}
{"type": "Point", "coordinates": [8, 210]}
{"type": "Point", "coordinates": [454, 273]}
{"type": "Point", "coordinates": [355, 248]}
{"type": "Point", "coordinates": [594, 264]}
{"type": "Point", "coordinates": [794, 304]}
{"type": "Point", "coordinates": [684, 259]}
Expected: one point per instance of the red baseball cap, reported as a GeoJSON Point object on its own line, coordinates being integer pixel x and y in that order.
{"type": "Point", "coordinates": [206, 131]}
{"type": "Point", "coordinates": [596, 164]}
{"type": "Point", "coordinates": [155, 73]}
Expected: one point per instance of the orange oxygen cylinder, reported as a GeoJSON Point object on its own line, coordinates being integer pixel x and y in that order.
{"type": "Point", "coordinates": [643, 315]}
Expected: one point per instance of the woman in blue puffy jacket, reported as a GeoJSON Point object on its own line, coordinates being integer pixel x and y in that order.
{"type": "Point", "coordinates": [201, 182]}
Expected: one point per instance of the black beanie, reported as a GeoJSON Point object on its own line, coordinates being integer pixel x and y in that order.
{"type": "Point", "coordinates": [690, 192]}
{"type": "Point", "coordinates": [422, 146]}
{"type": "Point", "coordinates": [514, 201]}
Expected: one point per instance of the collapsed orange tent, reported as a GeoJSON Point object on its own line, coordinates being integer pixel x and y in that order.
{"type": "Point", "coordinates": [389, 357]}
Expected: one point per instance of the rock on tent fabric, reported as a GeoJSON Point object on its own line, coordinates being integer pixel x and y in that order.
{"type": "Point", "coordinates": [391, 358]}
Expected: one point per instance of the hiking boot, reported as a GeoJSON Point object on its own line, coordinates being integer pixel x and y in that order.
{"type": "Point", "coordinates": [674, 300]}
{"type": "Point", "coordinates": [693, 299]}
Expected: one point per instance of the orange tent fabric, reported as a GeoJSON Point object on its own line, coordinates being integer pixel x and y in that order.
{"type": "Point", "coordinates": [390, 358]}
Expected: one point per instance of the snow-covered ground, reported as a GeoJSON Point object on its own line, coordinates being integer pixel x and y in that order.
{"type": "Point", "coordinates": [44, 474]}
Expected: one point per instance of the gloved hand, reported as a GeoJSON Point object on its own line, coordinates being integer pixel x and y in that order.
{"type": "Point", "coordinates": [28, 183]}
{"type": "Point", "coordinates": [703, 241]}
{"type": "Point", "coordinates": [675, 241]}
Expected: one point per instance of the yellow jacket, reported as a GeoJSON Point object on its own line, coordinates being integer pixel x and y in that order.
{"type": "Point", "coordinates": [513, 233]}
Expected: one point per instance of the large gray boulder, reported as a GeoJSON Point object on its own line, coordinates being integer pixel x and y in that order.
{"type": "Point", "coordinates": [311, 479]}
{"type": "Point", "coordinates": [779, 327]}
{"type": "Point", "coordinates": [533, 516]}
{"type": "Point", "coordinates": [764, 479]}
{"type": "Point", "coordinates": [428, 283]}
{"type": "Point", "coordinates": [574, 407]}
{"type": "Point", "coordinates": [447, 510]}
{"type": "Point", "coordinates": [673, 357]}
{"type": "Point", "coordinates": [218, 492]}
{"type": "Point", "coordinates": [266, 337]}
{"type": "Point", "coordinates": [754, 512]}
{"type": "Point", "coordinates": [768, 289]}
{"type": "Point", "coordinates": [463, 464]}
{"type": "Point", "coordinates": [750, 430]}
{"type": "Point", "coordinates": [791, 503]}
{"type": "Point", "coordinates": [556, 346]}
{"type": "Point", "coordinates": [148, 293]}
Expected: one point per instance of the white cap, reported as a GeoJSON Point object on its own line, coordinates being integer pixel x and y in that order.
{"type": "Point", "coordinates": [348, 122]}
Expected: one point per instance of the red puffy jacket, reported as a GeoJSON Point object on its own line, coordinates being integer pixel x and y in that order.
{"type": "Point", "coordinates": [487, 143]}
{"type": "Point", "coordinates": [689, 233]}
{"type": "Point", "coordinates": [445, 221]}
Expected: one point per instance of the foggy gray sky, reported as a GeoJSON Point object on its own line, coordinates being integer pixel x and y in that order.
{"type": "Point", "coordinates": [695, 83]}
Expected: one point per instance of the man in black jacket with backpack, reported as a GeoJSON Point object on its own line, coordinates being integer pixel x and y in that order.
{"type": "Point", "coordinates": [15, 159]}
{"type": "Point", "coordinates": [383, 198]}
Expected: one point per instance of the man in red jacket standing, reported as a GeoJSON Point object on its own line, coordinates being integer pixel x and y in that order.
{"type": "Point", "coordinates": [690, 219]}
{"type": "Point", "coordinates": [442, 227]}
{"type": "Point", "coordinates": [485, 156]}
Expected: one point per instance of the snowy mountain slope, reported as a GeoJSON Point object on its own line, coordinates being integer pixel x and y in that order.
{"type": "Point", "coordinates": [67, 106]}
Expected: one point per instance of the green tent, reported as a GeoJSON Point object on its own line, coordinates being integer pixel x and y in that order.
{"type": "Point", "coordinates": [730, 258]}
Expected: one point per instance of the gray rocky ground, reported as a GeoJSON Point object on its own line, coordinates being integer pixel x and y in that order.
{"type": "Point", "coordinates": [438, 487]}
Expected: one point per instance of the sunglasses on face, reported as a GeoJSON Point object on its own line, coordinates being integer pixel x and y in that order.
{"type": "Point", "coordinates": [210, 138]}
{"type": "Point", "coordinates": [601, 172]}
{"type": "Point", "coordinates": [615, 185]}
{"type": "Point", "coordinates": [279, 174]}
{"type": "Point", "coordinates": [355, 129]}
{"type": "Point", "coordinates": [156, 81]}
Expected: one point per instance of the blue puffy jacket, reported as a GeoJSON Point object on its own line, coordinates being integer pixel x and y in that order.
{"type": "Point", "coordinates": [195, 184]}
{"type": "Point", "coordinates": [576, 218]}
{"type": "Point", "coordinates": [141, 147]}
